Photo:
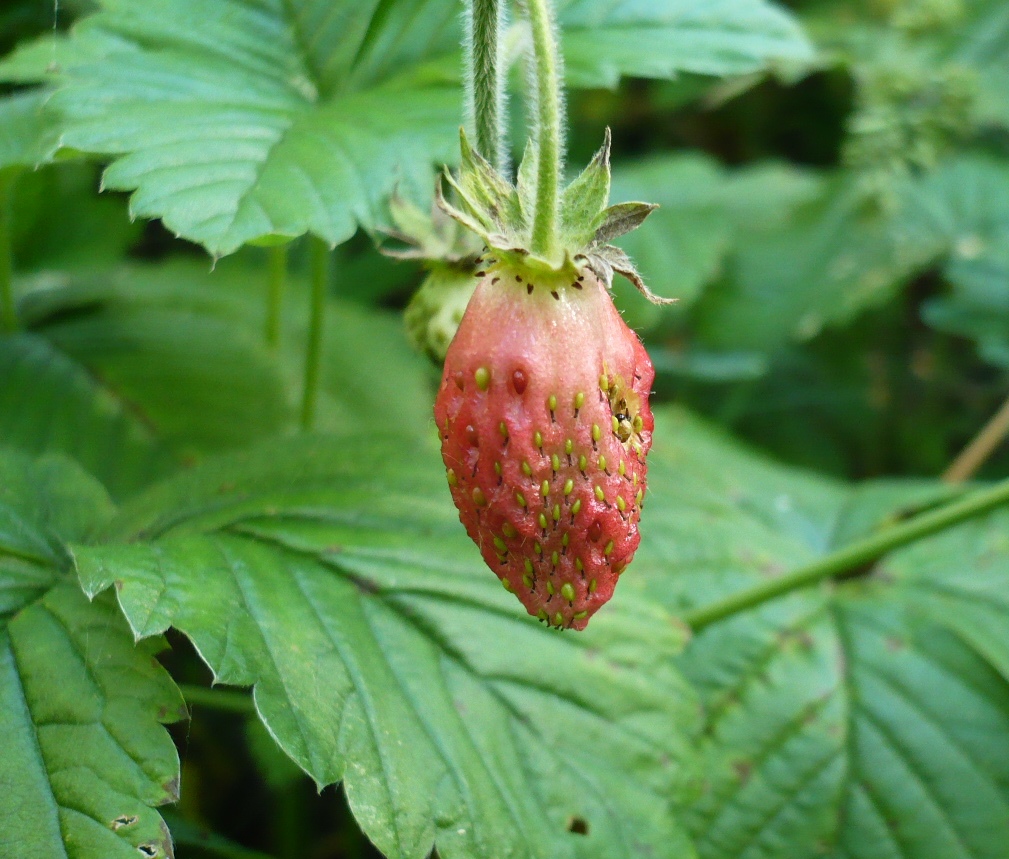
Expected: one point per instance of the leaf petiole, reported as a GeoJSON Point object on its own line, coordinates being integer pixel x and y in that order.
{"type": "Point", "coordinates": [276, 287]}
{"type": "Point", "coordinates": [225, 700]}
{"type": "Point", "coordinates": [853, 556]}
{"type": "Point", "coordinates": [8, 312]}
{"type": "Point", "coordinates": [319, 265]}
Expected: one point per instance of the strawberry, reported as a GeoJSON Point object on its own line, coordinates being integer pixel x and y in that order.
{"type": "Point", "coordinates": [543, 404]}
{"type": "Point", "coordinates": [543, 411]}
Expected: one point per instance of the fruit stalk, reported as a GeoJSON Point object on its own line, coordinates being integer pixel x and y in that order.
{"type": "Point", "coordinates": [853, 556]}
{"type": "Point", "coordinates": [486, 90]}
{"type": "Point", "coordinates": [549, 130]}
{"type": "Point", "coordinates": [319, 255]}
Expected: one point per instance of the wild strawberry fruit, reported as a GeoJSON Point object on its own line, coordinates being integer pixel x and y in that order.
{"type": "Point", "coordinates": [543, 405]}
{"type": "Point", "coordinates": [543, 410]}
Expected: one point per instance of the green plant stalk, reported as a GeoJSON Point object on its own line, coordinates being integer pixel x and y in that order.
{"type": "Point", "coordinates": [225, 700]}
{"type": "Point", "coordinates": [8, 312]}
{"type": "Point", "coordinates": [276, 287]}
{"type": "Point", "coordinates": [485, 80]}
{"type": "Point", "coordinates": [319, 256]}
{"type": "Point", "coordinates": [550, 128]}
{"type": "Point", "coordinates": [854, 556]}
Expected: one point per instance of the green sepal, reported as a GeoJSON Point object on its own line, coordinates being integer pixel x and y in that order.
{"type": "Point", "coordinates": [584, 201]}
{"type": "Point", "coordinates": [621, 219]}
{"type": "Point", "coordinates": [501, 214]}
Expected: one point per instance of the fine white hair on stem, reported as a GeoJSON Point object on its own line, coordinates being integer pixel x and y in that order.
{"type": "Point", "coordinates": [486, 78]}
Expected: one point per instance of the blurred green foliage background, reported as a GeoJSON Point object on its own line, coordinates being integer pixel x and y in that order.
{"type": "Point", "coordinates": [838, 239]}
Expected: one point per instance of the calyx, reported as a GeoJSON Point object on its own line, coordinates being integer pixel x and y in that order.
{"type": "Point", "coordinates": [501, 214]}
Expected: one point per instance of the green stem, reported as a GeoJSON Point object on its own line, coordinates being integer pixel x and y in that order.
{"type": "Point", "coordinates": [486, 83]}
{"type": "Point", "coordinates": [319, 255]}
{"type": "Point", "coordinates": [854, 556]}
{"type": "Point", "coordinates": [226, 700]}
{"type": "Point", "coordinates": [550, 127]}
{"type": "Point", "coordinates": [8, 312]}
{"type": "Point", "coordinates": [277, 286]}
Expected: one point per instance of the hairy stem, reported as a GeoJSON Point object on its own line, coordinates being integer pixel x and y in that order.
{"type": "Point", "coordinates": [972, 457]}
{"type": "Point", "coordinates": [226, 700]}
{"type": "Point", "coordinates": [276, 268]}
{"type": "Point", "coordinates": [319, 254]}
{"type": "Point", "coordinates": [853, 556]}
{"type": "Point", "coordinates": [8, 313]}
{"type": "Point", "coordinates": [550, 127]}
{"type": "Point", "coordinates": [486, 80]}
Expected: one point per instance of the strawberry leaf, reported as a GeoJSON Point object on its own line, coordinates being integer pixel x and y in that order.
{"type": "Point", "coordinates": [384, 655]}
{"type": "Point", "coordinates": [85, 759]}
{"type": "Point", "coordinates": [861, 718]}
{"type": "Point", "coordinates": [234, 123]}
{"type": "Point", "coordinates": [155, 366]}
{"type": "Point", "coordinates": [656, 39]}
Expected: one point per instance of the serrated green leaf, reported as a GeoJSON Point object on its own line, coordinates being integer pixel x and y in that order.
{"type": "Point", "coordinates": [396, 663]}
{"type": "Point", "coordinates": [237, 121]}
{"type": "Point", "coordinates": [836, 257]}
{"type": "Point", "coordinates": [658, 38]}
{"type": "Point", "coordinates": [85, 759]}
{"type": "Point", "coordinates": [51, 403]}
{"type": "Point", "coordinates": [27, 134]}
{"type": "Point", "coordinates": [137, 369]}
{"type": "Point", "coordinates": [862, 719]}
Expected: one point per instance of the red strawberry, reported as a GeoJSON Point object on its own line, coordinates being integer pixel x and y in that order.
{"type": "Point", "coordinates": [545, 425]}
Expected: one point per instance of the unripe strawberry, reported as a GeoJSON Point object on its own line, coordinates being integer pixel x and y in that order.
{"type": "Point", "coordinates": [543, 406]}
{"type": "Point", "coordinates": [545, 425]}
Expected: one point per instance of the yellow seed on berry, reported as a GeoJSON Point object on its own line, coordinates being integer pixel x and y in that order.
{"type": "Point", "coordinates": [568, 592]}
{"type": "Point", "coordinates": [621, 504]}
{"type": "Point", "coordinates": [543, 521]}
{"type": "Point", "coordinates": [526, 469]}
{"type": "Point", "coordinates": [552, 403]}
{"type": "Point", "coordinates": [579, 400]}
{"type": "Point", "coordinates": [608, 549]}
{"type": "Point", "coordinates": [558, 619]}
{"type": "Point", "coordinates": [482, 376]}
{"type": "Point", "coordinates": [576, 507]}
{"type": "Point", "coordinates": [452, 479]}
{"type": "Point", "coordinates": [545, 488]}
{"type": "Point", "coordinates": [592, 586]}
{"type": "Point", "coordinates": [569, 486]}
{"type": "Point", "coordinates": [538, 439]}
{"type": "Point", "coordinates": [602, 463]}
{"type": "Point", "coordinates": [569, 446]}
{"type": "Point", "coordinates": [520, 499]}
{"type": "Point", "coordinates": [478, 497]}
{"type": "Point", "coordinates": [600, 495]}
{"type": "Point", "coordinates": [596, 432]}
